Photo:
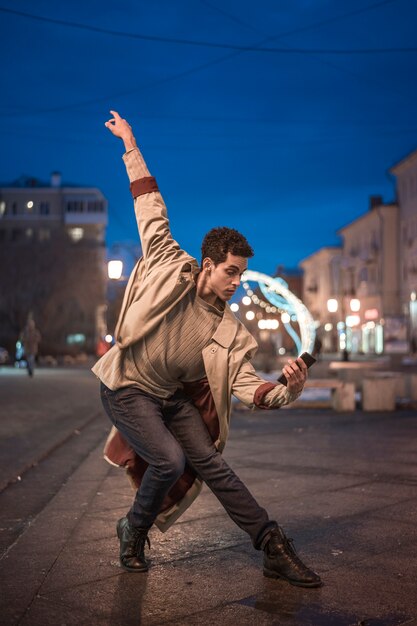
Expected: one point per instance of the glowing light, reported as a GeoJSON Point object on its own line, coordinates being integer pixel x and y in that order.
{"type": "Point", "coordinates": [115, 269]}
{"type": "Point", "coordinates": [234, 307]}
{"type": "Point", "coordinates": [276, 292]}
{"type": "Point", "coordinates": [268, 324]}
{"type": "Point", "coordinates": [250, 315]}
{"type": "Point", "coordinates": [328, 327]}
{"type": "Point", "coordinates": [371, 314]}
{"type": "Point", "coordinates": [355, 305]}
{"type": "Point", "coordinates": [285, 318]}
{"type": "Point", "coordinates": [246, 300]}
{"type": "Point", "coordinates": [282, 351]}
{"type": "Point", "coordinates": [108, 338]}
{"type": "Point", "coordinates": [353, 320]}
{"type": "Point", "coordinates": [332, 305]}
{"type": "Point", "coordinates": [76, 233]}
{"type": "Point", "coordinates": [30, 204]}
{"type": "Point", "coordinates": [413, 296]}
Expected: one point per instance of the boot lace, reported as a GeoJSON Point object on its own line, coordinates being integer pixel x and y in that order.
{"type": "Point", "coordinates": [140, 540]}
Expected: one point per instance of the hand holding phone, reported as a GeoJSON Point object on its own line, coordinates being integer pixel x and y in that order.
{"type": "Point", "coordinates": [308, 360]}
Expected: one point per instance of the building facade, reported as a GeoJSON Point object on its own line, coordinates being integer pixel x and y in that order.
{"type": "Point", "coordinates": [406, 183]}
{"type": "Point", "coordinates": [321, 284]}
{"type": "Point", "coordinates": [52, 262]}
{"type": "Point", "coordinates": [369, 281]}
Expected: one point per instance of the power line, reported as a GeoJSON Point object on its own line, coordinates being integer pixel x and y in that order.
{"type": "Point", "coordinates": [209, 44]}
{"type": "Point", "coordinates": [325, 22]}
{"type": "Point", "coordinates": [208, 64]}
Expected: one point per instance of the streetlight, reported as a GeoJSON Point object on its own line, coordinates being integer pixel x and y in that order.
{"type": "Point", "coordinates": [355, 305]}
{"type": "Point", "coordinates": [115, 269]}
{"type": "Point", "coordinates": [332, 305]}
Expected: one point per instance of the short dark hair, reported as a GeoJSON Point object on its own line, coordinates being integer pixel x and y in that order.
{"type": "Point", "coordinates": [219, 241]}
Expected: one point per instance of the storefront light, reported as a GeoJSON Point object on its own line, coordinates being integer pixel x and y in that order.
{"type": "Point", "coordinates": [355, 305]}
{"type": "Point", "coordinates": [332, 305]}
{"type": "Point", "coordinates": [352, 320]}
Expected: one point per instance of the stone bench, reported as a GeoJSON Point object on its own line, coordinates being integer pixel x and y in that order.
{"type": "Point", "coordinates": [342, 393]}
{"type": "Point", "coordinates": [379, 392]}
{"type": "Point", "coordinates": [355, 371]}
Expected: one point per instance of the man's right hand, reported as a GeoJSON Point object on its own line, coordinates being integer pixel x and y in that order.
{"type": "Point", "coordinates": [119, 127]}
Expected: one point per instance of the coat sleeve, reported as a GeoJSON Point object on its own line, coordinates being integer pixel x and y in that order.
{"type": "Point", "coordinates": [158, 245]}
{"type": "Point", "coordinates": [254, 391]}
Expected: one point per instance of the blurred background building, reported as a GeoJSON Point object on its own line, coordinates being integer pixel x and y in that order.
{"type": "Point", "coordinates": [52, 262]}
{"type": "Point", "coordinates": [406, 176]}
{"type": "Point", "coordinates": [363, 294]}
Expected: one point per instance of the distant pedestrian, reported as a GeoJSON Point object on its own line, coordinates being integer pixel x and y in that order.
{"type": "Point", "coordinates": [31, 339]}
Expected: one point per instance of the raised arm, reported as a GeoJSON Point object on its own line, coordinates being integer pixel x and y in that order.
{"type": "Point", "coordinates": [120, 128]}
{"type": "Point", "coordinates": [158, 246]}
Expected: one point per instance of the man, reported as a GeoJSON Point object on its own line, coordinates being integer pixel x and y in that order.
{"type": "Point", "coordinates": [167, 382]}
{"type": "Point", "coordinates": [30, 338]}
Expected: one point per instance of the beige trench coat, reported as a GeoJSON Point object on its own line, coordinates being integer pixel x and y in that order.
{"type": "Point", "coordinates": [160, 279]}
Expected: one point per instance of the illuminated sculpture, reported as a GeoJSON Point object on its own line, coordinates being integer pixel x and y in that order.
{"type": "Point", "coordinates": [282, 300]}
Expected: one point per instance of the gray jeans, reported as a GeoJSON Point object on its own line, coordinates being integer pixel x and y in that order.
{"type": "Point", "coordinates": [166, 434]}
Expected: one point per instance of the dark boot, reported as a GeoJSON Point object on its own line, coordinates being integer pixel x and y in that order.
{"type": "Point", "coordinates": [132, 546]}
{"type": "Point", "coordinates": [282, 561]}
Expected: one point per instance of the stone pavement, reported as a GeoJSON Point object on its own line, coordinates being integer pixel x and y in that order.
{"type": "Point", "coordinates": [343, 485]}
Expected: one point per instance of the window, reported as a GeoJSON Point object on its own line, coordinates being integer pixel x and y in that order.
{"type": "Point", "coordinates": [2, 234]}
{"type": "Point", "coordinates": [14, 208]}
{"type": "Point", "coordinates": [76, 233]}
{"type": "Point", "coordinates": [76, 338]}
{"type": "Point", "coordinates": [74, 206]}
{"type": "Point", "coordinates": [95, 207]}
{"type": "Point", "coordinates": [44, 234]}
{"type": "Point", "coordinates": [44, 208]}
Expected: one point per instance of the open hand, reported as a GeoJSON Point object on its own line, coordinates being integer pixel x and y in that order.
{"type": "Point", "coordinates": [296, 374]}
{"type": "Point", "coordinates": [119, 127]}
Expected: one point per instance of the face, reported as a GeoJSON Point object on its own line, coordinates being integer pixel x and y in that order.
{"type": "Point", "coordinates": [224, 278]}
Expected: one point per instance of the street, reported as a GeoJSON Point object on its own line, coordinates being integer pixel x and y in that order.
{"type": "Point", "coordinates": [343, 485]}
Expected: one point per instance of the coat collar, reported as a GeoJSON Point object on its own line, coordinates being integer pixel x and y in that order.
{"type": "Point", "coordinates": [226, 330]}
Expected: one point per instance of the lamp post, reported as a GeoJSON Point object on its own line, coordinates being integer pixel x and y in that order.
{"type": "Point", "coordinates": [116, 284]}
{"type": "Point", "coordinates": [332, 307]}
{"type": "Point", "coordinates": [355, 320]}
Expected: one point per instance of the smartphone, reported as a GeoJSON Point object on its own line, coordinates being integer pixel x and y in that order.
{"type": "Point", "coordinates": [308, 360]}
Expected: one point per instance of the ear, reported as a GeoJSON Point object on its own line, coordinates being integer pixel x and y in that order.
{"type": "Point", "coordinates": [207, 264]}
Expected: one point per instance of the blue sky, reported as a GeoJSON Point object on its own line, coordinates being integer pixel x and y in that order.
{"type": "Point", "coordinates": [284, 145]}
